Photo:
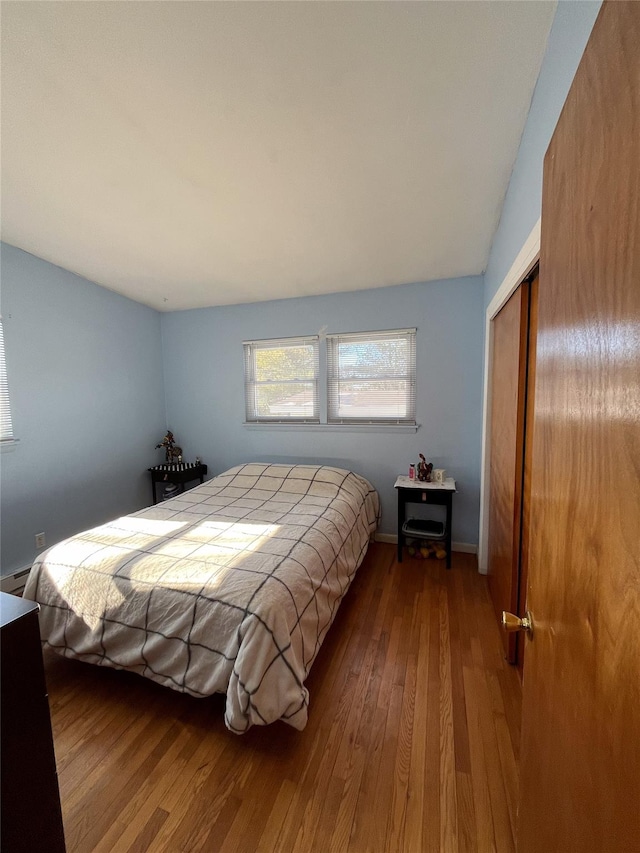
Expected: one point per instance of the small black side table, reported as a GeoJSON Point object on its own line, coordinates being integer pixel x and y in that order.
{"type": "Point", "coordinates": [413, 491]}
{"type": "Point", "coordinates": [176, 472]}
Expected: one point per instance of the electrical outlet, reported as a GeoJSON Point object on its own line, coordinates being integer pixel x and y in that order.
{"type": "Point", "coordinates": [40, 540]}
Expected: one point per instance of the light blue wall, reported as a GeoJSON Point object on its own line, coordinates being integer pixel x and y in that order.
{"type": "Point", "coordinates": [86, 366]}
{"type": "Point", "coordinates": [203, 358]}
{"type": "Point", "coordinates": [570, 31]}
{"type": "Point", "coordinates": [87, 397]}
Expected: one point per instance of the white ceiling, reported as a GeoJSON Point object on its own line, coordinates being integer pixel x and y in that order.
{"type": "Point", "coordinates": [206, 153]}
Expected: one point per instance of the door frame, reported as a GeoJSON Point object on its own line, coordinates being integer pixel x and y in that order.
{"type": "Point", "coordinates": [526, 259]}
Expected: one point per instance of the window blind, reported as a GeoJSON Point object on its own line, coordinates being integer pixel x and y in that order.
{"type": "Point", "coordinates": [281, 380]}
{"type": "Point", "coordinates": [371, 377]}
{"type": "Point", "coordinates": [6, 427]}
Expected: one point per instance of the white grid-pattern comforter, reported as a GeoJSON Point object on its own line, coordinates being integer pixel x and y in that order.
{"type": "Point", "coordinates": [229, 587]}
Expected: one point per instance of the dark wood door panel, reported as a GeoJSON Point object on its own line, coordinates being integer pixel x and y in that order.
{"type": "Point", "coordinates": [525, 528]}
{"type": "Point", "coordinates": [508, 377]}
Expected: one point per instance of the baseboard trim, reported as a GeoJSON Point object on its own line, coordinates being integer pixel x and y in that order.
{"type": "Point", "coordinates": [390, 538]}
{"type": "Point", "coordinates": [464, 547]}
{"type": "Point", "coordinates": [461, 547]}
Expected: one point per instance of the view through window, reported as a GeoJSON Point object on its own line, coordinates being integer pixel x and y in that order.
{"type": "Point", "coordinates": [371, 377]}
{"type": "Point", "coordinates": [281, 380]}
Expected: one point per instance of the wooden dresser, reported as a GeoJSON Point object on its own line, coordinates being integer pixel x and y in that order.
{"type": "Point", "coordinates": [31, 814]}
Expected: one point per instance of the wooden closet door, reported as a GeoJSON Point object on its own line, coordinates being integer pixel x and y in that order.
{"type": "Point", "coordinates": [580, 749]}
{"type": "Point", "coordinates": [508, 393]}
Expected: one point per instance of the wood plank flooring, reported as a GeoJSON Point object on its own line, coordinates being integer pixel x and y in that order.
{"type": "Point", "coordinates": [412, 740]}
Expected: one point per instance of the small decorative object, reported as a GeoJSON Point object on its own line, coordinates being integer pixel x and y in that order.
{"type": "Point", "coordinates": [424, 470]}
{"type": "Point", "coordinates": [198, 460]}
{"type": "Point", "coordinates": [172, 451]}
{"type": "Point", "coordinates": [439, 475]}
{"type": "Point", "coordinates": [412, 471]}
{"type": "Point", "coordinates": [422, 550]}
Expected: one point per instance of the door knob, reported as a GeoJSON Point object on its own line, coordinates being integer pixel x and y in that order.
{"type": "Point", "coordinates": [511, 622]}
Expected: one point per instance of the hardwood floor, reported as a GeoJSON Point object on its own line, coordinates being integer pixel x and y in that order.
{"type": "Point", "coordinates": [412, 741]}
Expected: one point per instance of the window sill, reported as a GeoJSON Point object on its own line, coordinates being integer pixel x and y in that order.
{"type": "Point", "coordinates": [9, 445]}
{"type": "Point", "coordinates": [396, 428]}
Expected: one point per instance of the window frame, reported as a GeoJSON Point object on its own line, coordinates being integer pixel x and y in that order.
{"type": "Point", "coordinates": [251, 383]}
{"type": "Point", "coordinates": [333, 378]}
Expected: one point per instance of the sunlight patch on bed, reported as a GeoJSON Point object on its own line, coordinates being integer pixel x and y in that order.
{"type": "Point", "coordinates": [150, 526]}
{"type": "Point", "coordinates": [134, 533]}
{"type": "Point", "coordinates": [237, 535]}
{"type": "Point", "coordinates": [226, 545]}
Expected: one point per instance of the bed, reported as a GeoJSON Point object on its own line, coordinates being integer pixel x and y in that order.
{"type": "Point", "coordinates": [229, 587]}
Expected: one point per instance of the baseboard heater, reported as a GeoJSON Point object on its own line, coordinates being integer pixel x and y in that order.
{"type": "Point", "coordinates": [16, 582]}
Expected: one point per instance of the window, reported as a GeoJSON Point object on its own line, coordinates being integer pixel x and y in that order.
{"type": "Point", "coordinates": [6, 429]}
{"type": "Point", "coordinates": [371, 377]}
{"type": "Point", "coordinates": [281, 380]}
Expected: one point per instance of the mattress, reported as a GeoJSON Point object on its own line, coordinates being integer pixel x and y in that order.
{"type": "Point", "coordinates": [229, 587]}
